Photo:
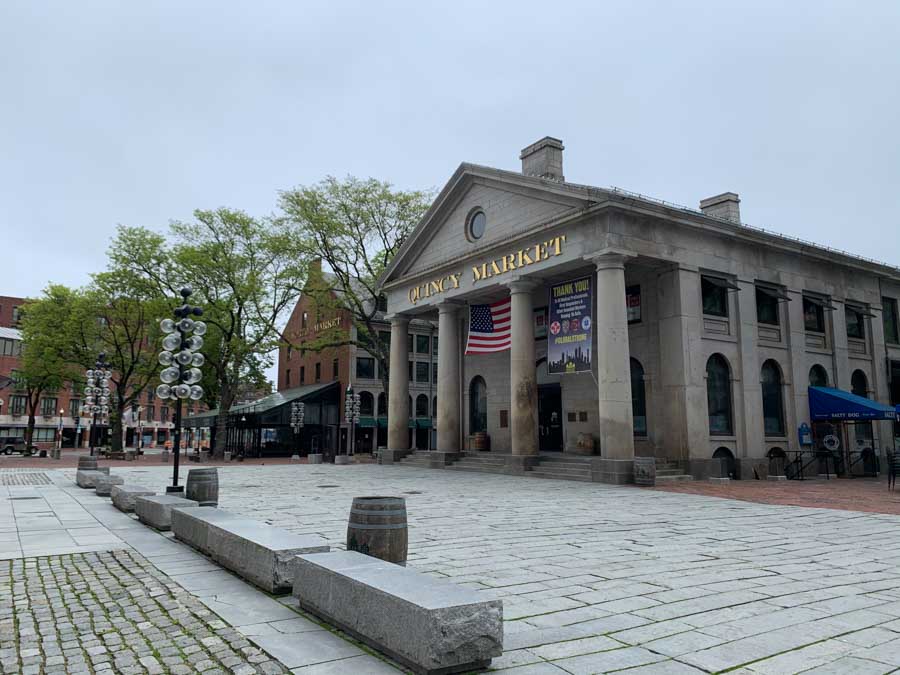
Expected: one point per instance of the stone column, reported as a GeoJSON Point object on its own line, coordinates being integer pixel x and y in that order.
{"type": "Point", "coordinates": [448, 409]}
{"type": "Point", "coordinates": [613, 365]}
{"type": "Point", "coordinates": [682, 380]}
{"type": "Point", "coordinates": [522, 380]}
{"type": "Point", "coordinates": [398, 387]}
{"type": "Point", "coordinates": [749, 422]}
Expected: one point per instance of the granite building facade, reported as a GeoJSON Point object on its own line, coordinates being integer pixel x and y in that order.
{"type": "Point", "coordinates": [706, 332]}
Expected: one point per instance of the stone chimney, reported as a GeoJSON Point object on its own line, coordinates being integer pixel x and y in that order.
{"type": "Point", "coordinates": [544, 159]}
{"type": "Point", "coordinates": [726, 205]}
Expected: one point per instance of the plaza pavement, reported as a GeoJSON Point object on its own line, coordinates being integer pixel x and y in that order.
{"type": "Point", "coordinates": [597, 578]}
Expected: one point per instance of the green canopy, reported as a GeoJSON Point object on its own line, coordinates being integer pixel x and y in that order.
{"type": "Point", "coordinates": [366, 422]}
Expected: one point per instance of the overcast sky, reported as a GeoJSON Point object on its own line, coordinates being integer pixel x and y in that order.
{"type": "Point", "coordinates": [139, 112]}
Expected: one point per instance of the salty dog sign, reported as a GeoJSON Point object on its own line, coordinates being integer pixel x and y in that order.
{"type": "Point", "coordinates": [569, 348]}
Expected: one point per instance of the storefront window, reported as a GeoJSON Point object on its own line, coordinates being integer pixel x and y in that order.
{"type": "Point", "coordinates": [818, 376]}
{"type": "Point", "coordinates": [891, 320]}
{"type": "Point", "coordinates": [365, 368]}
{"type": "Point", "coordinates": [813, 315]}
{"type": "Point", "coordinates": [477, 405]}
{"type": "Point", "coordinates": [718, 396]}
{"type": "Point", "coordinates": [715, 296]}
{"type": "Point", "coordinates": [856, 322]}
{"type": "Point", "coordinates": [638, 398]}
{"type": "Point", "coordinates": [772, 399]}
{"type": "Point", "coordinates": [766, 307]}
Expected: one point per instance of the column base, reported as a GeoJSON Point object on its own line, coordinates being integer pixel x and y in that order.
{"type": "Point", "coordinates": [518, 464]}
{"type": "Point", "coordinates": [389, 456]}
{"type": "Point", "coordinates": [612, 471]}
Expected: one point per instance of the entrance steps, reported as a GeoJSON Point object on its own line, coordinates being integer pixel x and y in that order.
{"type": "Point", "coordinates": [562, 468]}
{"type": "Point", "coordinates": [419, 459]}
{"type": "Point", "coordinates": [668, 471]}
{"type": "Point", "coordinates": [482, 463]}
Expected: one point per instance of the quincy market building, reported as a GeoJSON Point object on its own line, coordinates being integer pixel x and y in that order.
{"type": "Point", "coordinates": [693, 336]}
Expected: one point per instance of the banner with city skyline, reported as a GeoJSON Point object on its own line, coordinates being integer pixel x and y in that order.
{"type": "Point", "coordinates": [571, 324]}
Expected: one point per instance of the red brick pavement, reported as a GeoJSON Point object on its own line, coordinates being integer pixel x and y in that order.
{"type": "Point", "coordinates": [857, 494]}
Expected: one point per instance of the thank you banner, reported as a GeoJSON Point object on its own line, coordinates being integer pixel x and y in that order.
{"type": "Point", "coordinates": [569, 348]}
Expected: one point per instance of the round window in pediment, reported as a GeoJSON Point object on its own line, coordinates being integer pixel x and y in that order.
{"type": "Point", "coordinates": [477, 224]}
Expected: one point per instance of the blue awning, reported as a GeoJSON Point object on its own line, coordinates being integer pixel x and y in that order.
{"type": "Point", "coordinates": [828, 403]}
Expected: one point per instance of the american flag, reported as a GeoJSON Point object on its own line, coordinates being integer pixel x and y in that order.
{"type": "Point", "coordinates": [489, 328]}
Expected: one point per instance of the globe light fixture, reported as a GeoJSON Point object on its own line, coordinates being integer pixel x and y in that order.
{"type": "Point", "coordinates": [96, 396]}
{"type": "Point", "coordinates": [182, 360]}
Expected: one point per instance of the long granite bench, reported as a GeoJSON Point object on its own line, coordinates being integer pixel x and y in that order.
{"type": "Point", "coordinates": [87, 478]}
{"type": "Point", "coordinates": [429, 625]}
{"type": "Point", "coordinates": [105, 482]}
{"type": "Point", "coordinates": [260, 553]}
{"type": "Point", "coordinates": [156, 511]}
{"type": "Point", "coordinates": [123, 496]}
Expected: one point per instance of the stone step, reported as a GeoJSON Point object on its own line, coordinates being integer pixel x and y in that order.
{"type": "Point", "coordinates": [558, 476]}
{"type": "Point", "coordinates": [473, 469]}
{"type": "Point", "coordinates": [669, 472]}
{"type": "Point", "coordinates": [561, 471]}
{"type": "Point", "coordinates": [482, 462]}
{"type": "Point", "coordinates": [576, 466]}
{"type": "Point", "coordinates": [673, 478]}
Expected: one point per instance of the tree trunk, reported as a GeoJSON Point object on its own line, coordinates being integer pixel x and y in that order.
{"type": "Point", "coordinates": [115, 422]}
{"type": "Point", "coordinates": [29, 431]}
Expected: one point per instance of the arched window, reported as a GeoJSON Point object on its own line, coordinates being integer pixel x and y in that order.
{"type": "Point", "coordinates": [772, 399]}
{"type": "Point", "coordinates": [434, 407]}
{"type": "Point", "coordinates": [726, 457]}
{"type": "Point", "coordinates": [382, 405]}
{"type": "Point", "coordinates": [421, 405]}
{"type": "Point", "coordinates": [818, 376]}
{"type": "Point", "coordinates": [477, 405]}
{"type": "Point", "coordinates": [638, 398]}
{"type": "Point", "coordinates": [859, 384]}
{"type": "Point", "coordinates": [718, 396]}
{"type": "Point", "coordinates": [366, 404]}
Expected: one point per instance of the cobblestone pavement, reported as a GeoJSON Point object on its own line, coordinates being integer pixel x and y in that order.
{"type": "Point", "coordinates": [112, 612]}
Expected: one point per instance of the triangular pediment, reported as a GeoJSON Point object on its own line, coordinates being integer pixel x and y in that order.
{"type": "Point", "coordinates": [512, 204]}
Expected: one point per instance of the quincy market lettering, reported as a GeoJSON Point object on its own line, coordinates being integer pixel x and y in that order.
{"type": "Point", "coordinates": [492, 268]}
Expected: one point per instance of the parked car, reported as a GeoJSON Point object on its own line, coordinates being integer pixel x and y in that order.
{"type": "Point", "coordinates": [11, 444]}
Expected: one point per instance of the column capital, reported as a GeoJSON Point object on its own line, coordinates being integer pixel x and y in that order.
{"type": "Point", "coordinates": [522, 285]}
{"type": "Point", "coordinates": [450, 306]}
{"type": "Point", "coordinates": [397, 318]}
{"type": "Point", "coordinates": [609, 258]}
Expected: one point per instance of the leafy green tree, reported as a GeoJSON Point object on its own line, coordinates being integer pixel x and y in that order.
{"type": "Point", "coordinates": [45, 365]}
{"type": "Point", "coordinates": [118, 314]}
{"type": "Point", "coordinates": [355, 227]}
{"type": "Point", "coordinates": [245, 273]}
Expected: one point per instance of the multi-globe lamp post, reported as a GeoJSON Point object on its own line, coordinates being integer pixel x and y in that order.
{"type": "Point", "coordinates": [96, 394]}
{"type": "Point", "coordinates": [298, 413]}
{"type": "Point", "coordinates": [351, 414]}
{"type": "Point", "coordinates": [182, 361]}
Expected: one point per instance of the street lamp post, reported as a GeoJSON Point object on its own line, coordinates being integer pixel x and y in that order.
{"type": "Point", "coordinates": [351, 414]}
{"type": "Point", "coordinates": [182, 362]}
{"type": "Point", "coordinates": [96, 394]}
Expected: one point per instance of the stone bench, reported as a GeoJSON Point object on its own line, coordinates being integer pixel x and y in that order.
{"type": "Point", "coordinates": [156, 511]}
{"type": "Point", "coordinates": [124, 496]}
{"type": "Point", "coordinates": [262, 554]}
{"type": "Point", "coordinates": [429, 625]}
{"type": "Point", "coordinates": [87, 479]}
{"type": "Point", "coordinates": [105, 482]}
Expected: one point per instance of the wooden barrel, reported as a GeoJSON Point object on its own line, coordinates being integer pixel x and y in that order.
{"type": "Point", "coordinates": [480, 441]}
{"type": "Point", "coordinates": [377, 528]}
{"type": "Point", "coordinates": [203, 486]}
{"type": "Point", "coordinates": [86, 463]}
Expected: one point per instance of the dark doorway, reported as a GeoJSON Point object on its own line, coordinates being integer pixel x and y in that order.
{"type": "Point", "coordinates": [550, 431]}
